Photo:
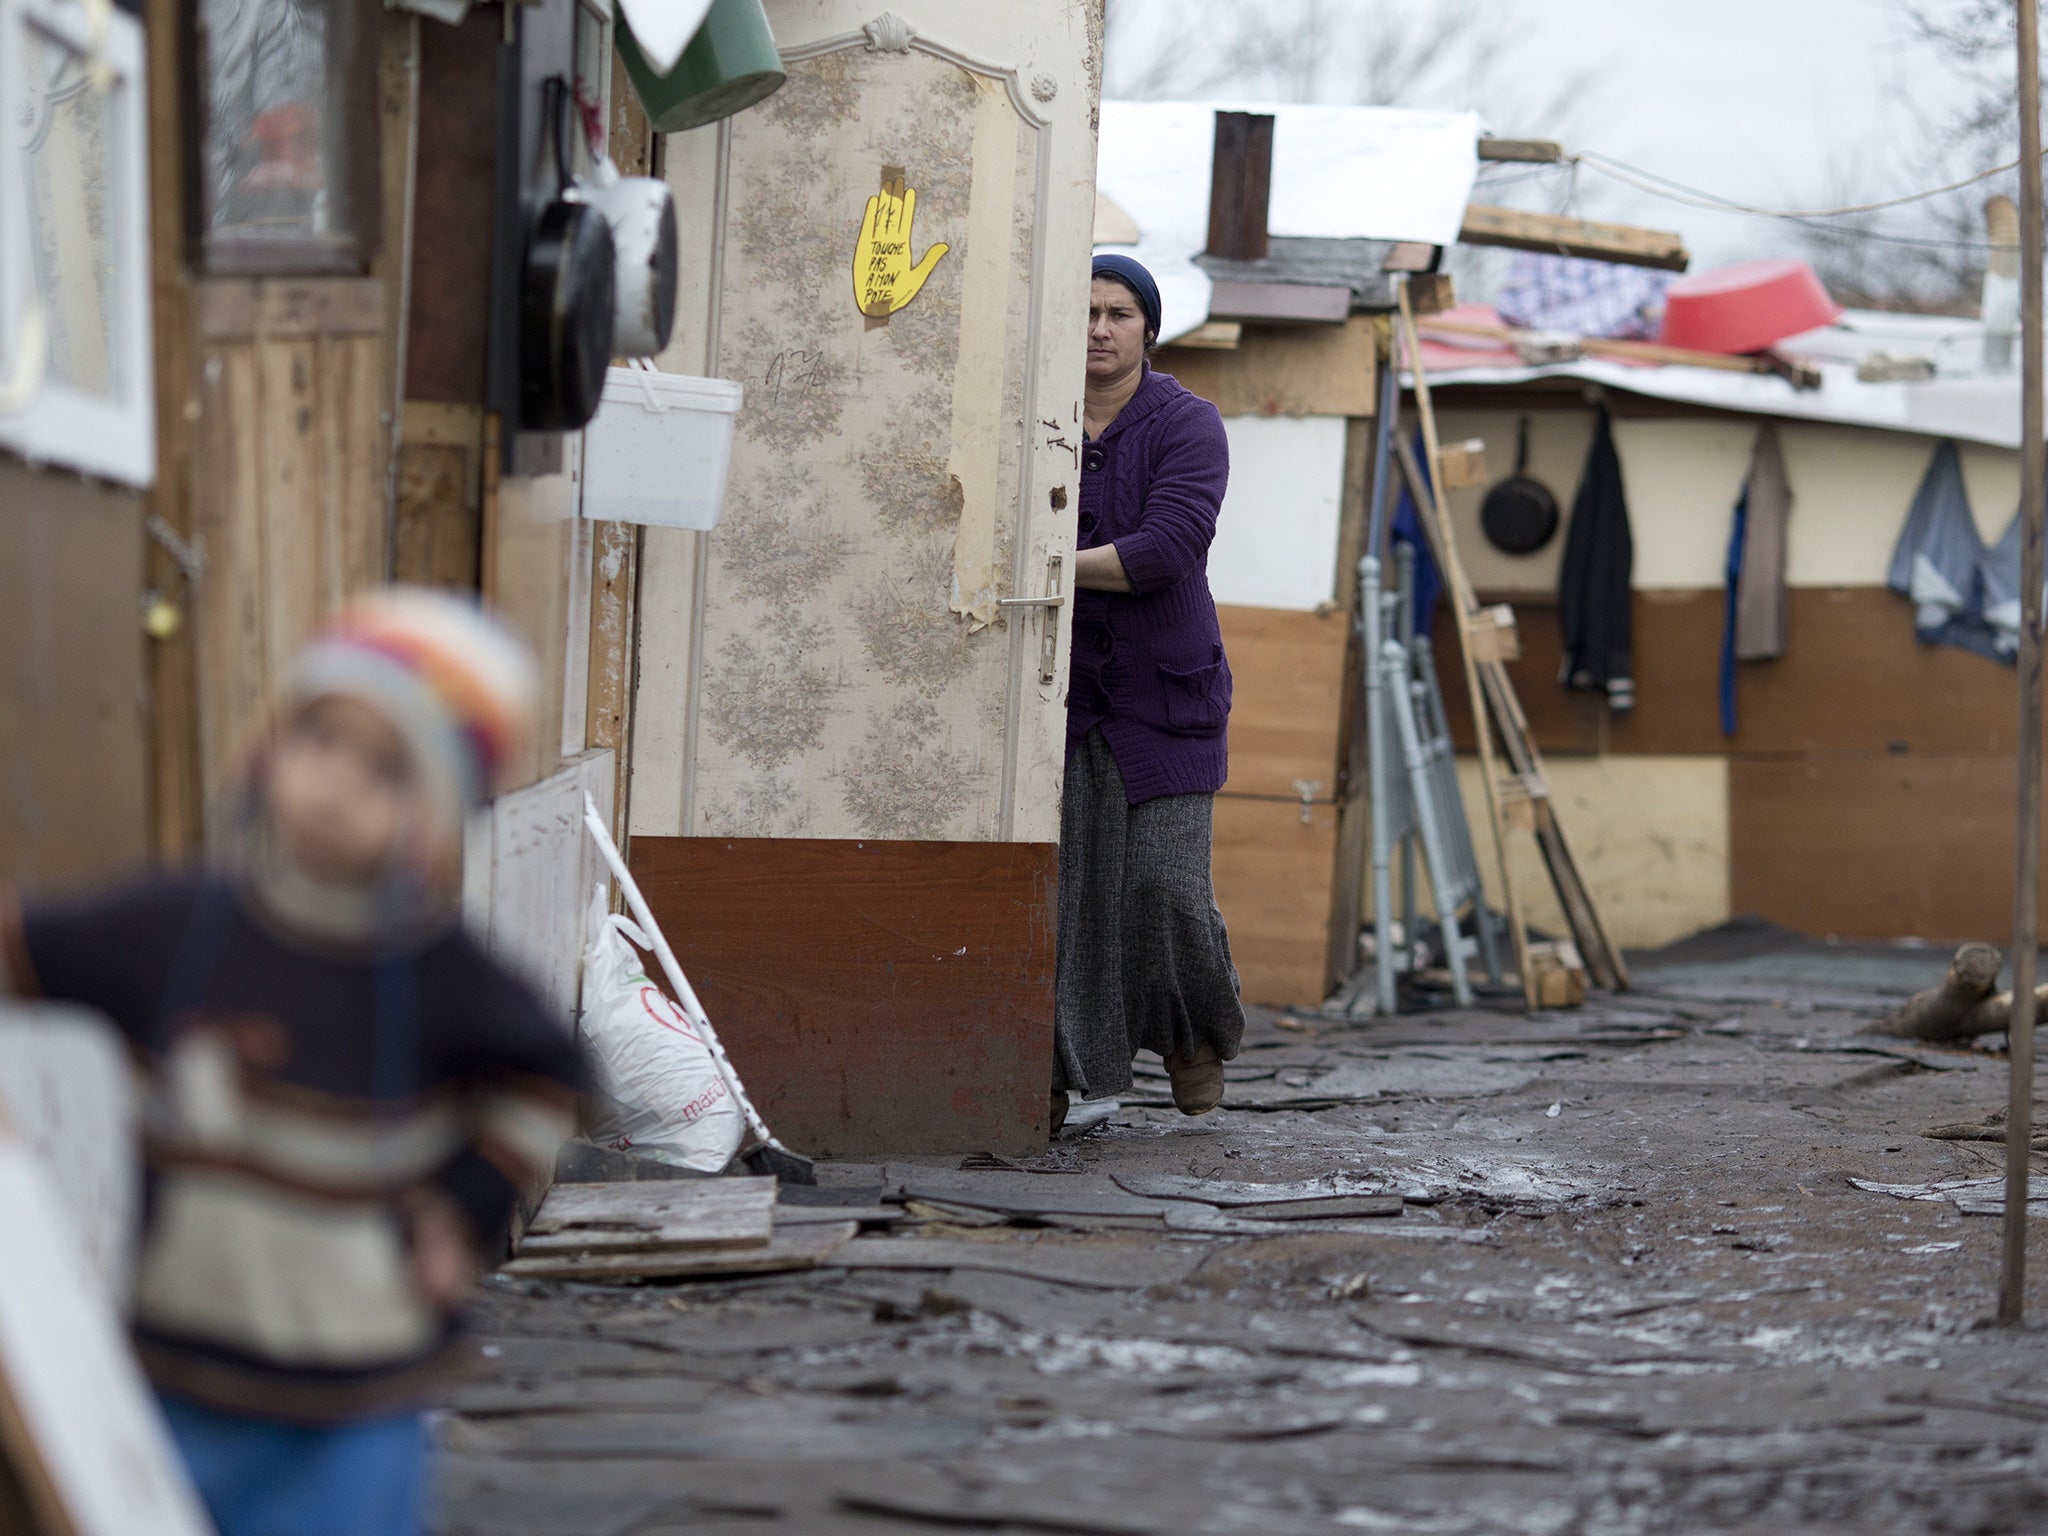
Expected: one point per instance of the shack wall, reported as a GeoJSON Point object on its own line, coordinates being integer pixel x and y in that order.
{"type": "Point", "coordinates": [1861, 760]}
{"type": "Point", "coordinates": [73, 706]}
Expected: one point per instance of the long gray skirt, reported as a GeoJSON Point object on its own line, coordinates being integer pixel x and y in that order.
{"type": "Point", "coordinates": [1144, 962]}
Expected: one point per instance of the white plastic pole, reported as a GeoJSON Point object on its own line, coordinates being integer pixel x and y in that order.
{"type": "Point", "coordinates": [672, 969]}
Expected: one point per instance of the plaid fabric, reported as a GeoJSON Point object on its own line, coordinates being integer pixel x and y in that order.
{"type": "Point", "coordinates": [1584, 297]}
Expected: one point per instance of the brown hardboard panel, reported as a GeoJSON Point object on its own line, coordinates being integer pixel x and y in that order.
{"type": "Point", "coordinates": [1875, 845]}
{"type": "Point", "coordinates": [74, 800]}
{"type": "Point", "coordinates": [1677, 640]}
{"type": "Point", "coordinates": [1273, 873]}
{"type": "Point", "coordinates": [1562, 723]}
{"type": "Point", "coordinates": [877, 997]}
{"type": "Point", "coordinates": [1287, 699]}
{"type": "Point", "coordinates": [1284, 370]}
{"type": "Point", "coordinates": [449, 325]}
{"type": "Point", "coordinates": [1852, 680]}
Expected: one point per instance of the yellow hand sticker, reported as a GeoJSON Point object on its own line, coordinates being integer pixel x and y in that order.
{"type": "Point", "coordinates": [884, 280]}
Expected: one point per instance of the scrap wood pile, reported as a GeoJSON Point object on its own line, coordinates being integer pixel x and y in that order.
{"type": "Point", "coordinates": [1963, 1006]}
{"type": "Point", "coordinates": [672, 1228]}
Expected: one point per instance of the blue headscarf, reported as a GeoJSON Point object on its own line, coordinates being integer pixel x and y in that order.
{"type": "Point", "coordinates": [1133, 276]}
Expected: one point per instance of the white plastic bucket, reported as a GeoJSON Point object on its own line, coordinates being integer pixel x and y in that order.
{"type": "Point", "coordinates": [657, 450]}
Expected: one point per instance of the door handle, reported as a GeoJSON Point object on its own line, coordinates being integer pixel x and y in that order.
{"type": "Point", "coordinates": [1049, 629]}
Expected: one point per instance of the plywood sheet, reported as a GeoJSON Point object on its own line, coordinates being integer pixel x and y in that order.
{"type": "Point", "coordinates": [1875, 845]}
{"type": "Point", "coordinates": [527, 579]}
{"type": "Point", "coordinates": [794, 1245]}
{"type": "Point", "coordinates": [74, 799]}
{"type": "Point", "coordinates": [876, 996]}
{"type": "Point", "coordinates": [529, 868]}
{"type": "Point", "coordinates": [1651, 836]}
{"type": "Point", "coordinates": [67, 1089]}
{"type": "Point", "coordinates": [651, 1214]}
{"type": "Point", "coordinates": [73, 1404]}
{"type": "Point", "coordinates": [1273, 872]}
{"type": "Point", "coordinates": [1296, 370]}
{"type": "Point", "coordinates": [1286, 704]}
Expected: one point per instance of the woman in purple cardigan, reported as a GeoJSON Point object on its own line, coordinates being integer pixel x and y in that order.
{"type": "Point", "coordinates": [1144, 962]}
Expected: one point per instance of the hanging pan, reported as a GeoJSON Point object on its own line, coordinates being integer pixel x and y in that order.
{"type": "Point", "coordinates": [566, 296]}
{"type": "Point", "coordinates": [1519, 515]}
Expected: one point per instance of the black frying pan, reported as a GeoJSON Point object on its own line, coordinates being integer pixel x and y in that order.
{"type": "Point", "coordinates": [1519, 515]}
{"type": "Point", "coordinates": [566, 305]}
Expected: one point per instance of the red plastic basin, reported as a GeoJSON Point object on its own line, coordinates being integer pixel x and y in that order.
{"type": "Point", "coordinates": [1746, 307]}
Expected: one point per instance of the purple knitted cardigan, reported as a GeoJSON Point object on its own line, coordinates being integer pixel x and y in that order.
{"type": "Point", "coordinates": [1148, 665]}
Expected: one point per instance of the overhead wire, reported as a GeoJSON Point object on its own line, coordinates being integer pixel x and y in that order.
{"type": "Point", "coordinates": [1678, 191]}
{"type": "Point", "coordinates": [1672, 190]}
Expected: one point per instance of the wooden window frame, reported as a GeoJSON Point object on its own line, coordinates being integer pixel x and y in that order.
{"type": "Point", "coordinates": [349, 254]}
{"type": "Point", "coordinates": [110, 437]}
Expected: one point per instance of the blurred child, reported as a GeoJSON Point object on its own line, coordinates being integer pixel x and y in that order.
{"type": "Point", "coordinates": [344, 1092]}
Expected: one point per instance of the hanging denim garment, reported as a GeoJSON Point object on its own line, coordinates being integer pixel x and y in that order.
{"type": "Point", "coordinates": [1940, 562]}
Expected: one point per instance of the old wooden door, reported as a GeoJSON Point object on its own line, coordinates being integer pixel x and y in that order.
{"type": "Point", "coordinates": [872, 741]}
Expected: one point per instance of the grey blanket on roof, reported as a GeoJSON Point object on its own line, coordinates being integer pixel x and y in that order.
{"type": "Point", "coordinates": [1144, 961]}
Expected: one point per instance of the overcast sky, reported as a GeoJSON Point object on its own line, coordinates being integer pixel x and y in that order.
{"type": "Point", "coordinates": [1778, 102]}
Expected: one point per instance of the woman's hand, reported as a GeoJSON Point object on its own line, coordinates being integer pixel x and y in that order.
{"type": "Point", "coordinates": [1100, 570]}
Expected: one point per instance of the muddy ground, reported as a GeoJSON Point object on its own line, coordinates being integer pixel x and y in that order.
{"type": "Point", "coordinates": [1631, 1289]}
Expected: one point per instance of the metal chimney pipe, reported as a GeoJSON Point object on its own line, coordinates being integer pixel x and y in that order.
{"type": "Point", "coordinates": [1240, 184]}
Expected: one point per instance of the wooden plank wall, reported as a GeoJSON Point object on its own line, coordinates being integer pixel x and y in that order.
{"type": "Point", "coordinates": [1287, 882]}
{"type": "Point", "coordinates": [1868, 783]}
{"type": "Point", "coordinates": [289, 484]}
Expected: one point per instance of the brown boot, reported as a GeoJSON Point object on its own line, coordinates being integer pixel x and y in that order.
{"type": "Point", "coordinates": [1197, 1084]}
{"type": "Point", "coordinates": [1059, 1110]}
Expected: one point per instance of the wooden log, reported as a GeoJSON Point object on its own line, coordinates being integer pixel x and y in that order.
{"type": "Point", "coordinates": [1937, 1013]}
{"type": "Point", "coordinates": [1993, 1016]}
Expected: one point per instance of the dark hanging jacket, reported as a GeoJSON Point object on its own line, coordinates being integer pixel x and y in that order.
{"type": "Point", "coordinates": [1593, 581]}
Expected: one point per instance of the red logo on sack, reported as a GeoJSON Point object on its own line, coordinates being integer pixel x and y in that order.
{"type": "Point", "coordinates": [667, 1015]}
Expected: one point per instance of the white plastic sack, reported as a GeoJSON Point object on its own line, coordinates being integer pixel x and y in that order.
{"type": "Point", "coordinates": [658, 1092]}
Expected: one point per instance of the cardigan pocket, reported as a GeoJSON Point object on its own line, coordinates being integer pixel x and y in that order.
{"type": "Point", "coordinates": [1197, 702]}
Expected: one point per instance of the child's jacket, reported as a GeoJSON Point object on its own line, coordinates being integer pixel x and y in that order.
{"type": "Point", "coordinates": [297, 1099]}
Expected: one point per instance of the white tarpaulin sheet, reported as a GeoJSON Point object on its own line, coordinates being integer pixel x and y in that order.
{"type": "Point", "coordinates": [1371, 173]}
{"type": "Point", "coordinates": [1972, 410]}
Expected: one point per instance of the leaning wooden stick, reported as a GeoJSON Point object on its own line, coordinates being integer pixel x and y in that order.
{"type": "Point", "coordinates": [1940, 1013]}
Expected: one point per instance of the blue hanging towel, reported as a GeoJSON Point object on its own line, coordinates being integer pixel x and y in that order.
{"type": "Point", "coordinates": [1407, 530]}
{"type": "Point", "coordinates": [1736, 539]}
{"type": "Point", "coordinates": [1940, 562]}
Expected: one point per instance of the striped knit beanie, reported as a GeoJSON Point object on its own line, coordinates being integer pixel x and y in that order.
{"type": "Point", "coordinates": [455, 683]}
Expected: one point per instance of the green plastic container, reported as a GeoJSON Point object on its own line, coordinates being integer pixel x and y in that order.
{"type": "Point", "coordinates": [728, 66]}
